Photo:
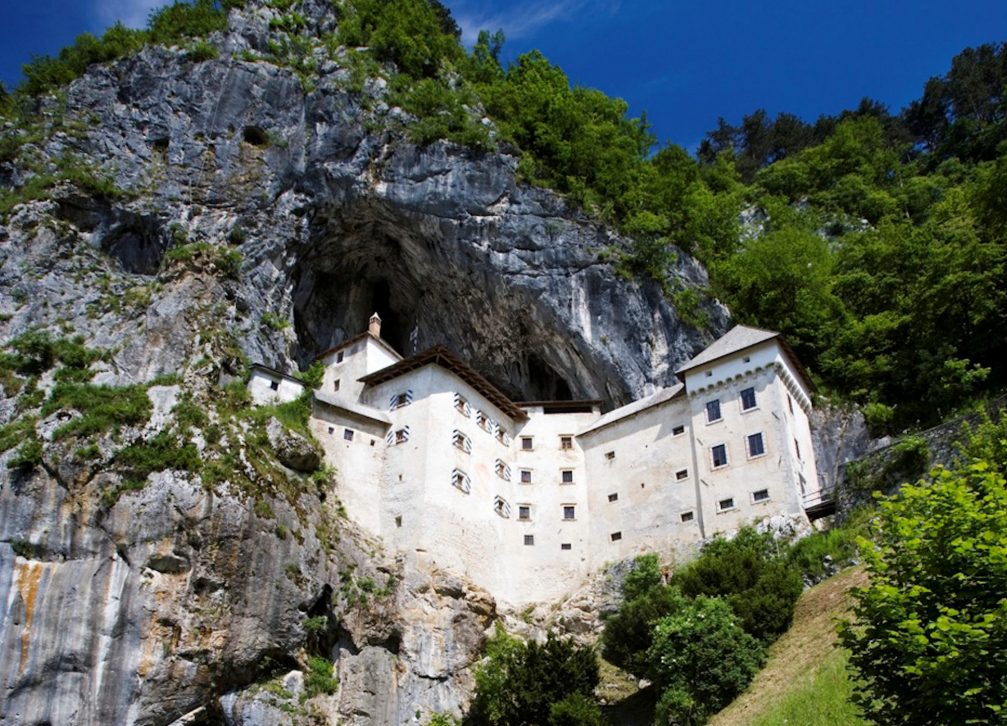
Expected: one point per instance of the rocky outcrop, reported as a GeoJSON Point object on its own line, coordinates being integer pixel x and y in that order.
{"type": "Point", "coordinates": [839, 435]}
{"type": "Point", "coordinates": [256, 220]}
{"type": "Point", "coordinates": [292, 449]}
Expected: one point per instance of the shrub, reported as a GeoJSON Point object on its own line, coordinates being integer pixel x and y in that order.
{"type": "Point", "coordinates": [700, 660]}
{"type": "Point", "coordinates": [628, 633]}
{"type": "Point", "coordinates": [930, 629]}
{"type": "Point", "coordinates": [751, 573]}
{"type": "Point", "coordinates": [161, 453]}
{"type": "Point", "coordinates": [319, 678]}
{"type": "Point", "coordinates": [27, 457]}
{"type": "Point", "coordinates": [202, 51]}
{"type": "Point", "coordinates": [102, 408]}
{"type": "Point", "coordinates": [519, 684]}
{"type": "Point", "coordinates": [575, 710]}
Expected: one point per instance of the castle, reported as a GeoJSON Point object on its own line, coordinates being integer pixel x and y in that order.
{"type": "Point", "coordinates": [527, 498]}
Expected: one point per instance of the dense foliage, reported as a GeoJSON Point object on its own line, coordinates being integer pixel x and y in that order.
{"type": "Point", "coordinates": [931, 628]}
{"type": "Point", "coordinates": [528, 684]}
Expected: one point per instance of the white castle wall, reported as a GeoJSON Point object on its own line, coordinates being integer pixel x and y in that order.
{"type": "Point", "coordinates": [261, 387]}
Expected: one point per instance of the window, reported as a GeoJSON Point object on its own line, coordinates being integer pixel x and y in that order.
{"type": "Point", "coordinates": [613, 497]}
{"type": "Point", "coordinates": [569, 512]}
{"type": "Point", "coordinates": [348, 434]}
{"type": "Point", "coordinates": [529, 540]}
{"type": "Point", "coordinates": [610, 455]}
{"type": "Point", "coordinates": [566, 476]}
{"type": "Point", "coordinates": [339, 357]}
{"type": "Point", "coordinates": [746, 359]}
{"type": "Point", "coordinates": [524, 512]}
{"type": "Point", "coordinates": [332, 430]}
{"type": "Point", "coordinates": [681, 474]}
{"type": "Point", "coordinates": [713, 410]}
{"type": "Point", "coordinates": [748, 399]}
{"type": "Point", "coordinates": [400, 399]}
{"type": "Point", "coordinates": [724, 504]}
{"type": "Point", "coordinates": [501, 507]}
{"type": "Point", "coordinates": [526, 476]}
{"type": "Point", "coordinates": [760, 496]}
{"type": "Point", "coordinates": [460, 480]}
{"type": "Point", "coordinates": [566, 546]}
{"type": "Point", "coordinates": [335, 385]}
{"type": "Point", "coordinates": [790, 403]}
{"type": "Point", "coordinates": [502, 436]}
{"type": "Point", "coordinates": [797, 448]}
{"type": "Point", "coordinates": [678, 430]}
{"type": "Point", "coordinates": [502, 470]}
{"type": "Point", "coordinates": [275, 385]}
{"type": "Point", "coordinates": [462, 405]}
{"type": "Point", "coordinates": [400, 436]}
{"type": "Point", "coordinates": [803, 484]}
{"type": "Point", "coordinates": [719, 453]}
{"type": "Point", "coordinates": [709, 374]}
{"type": "Point", "coordinates": [527, 443]}
{"type": "Point", "coordinates": [756, 446]}
{"type": "Point", "coordinates": [485, 422]}
{"type": "Point", "coordinates": [566, 442]}
{"type": "Point", "coordinates": [615, 536]}
{"type": "Point", "coordinates": [461, 441]}
{"type": "Point", "coordinates": [688, 516]}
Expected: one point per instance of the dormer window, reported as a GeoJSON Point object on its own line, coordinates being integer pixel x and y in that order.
{"type": "Point", "coordinates": [462, 405]}
{"type": "Point", "coordinates": [400, 400]}
{"type": "Point", "coordinates": [461, 441]}
{"type": "Point", "coordinates": [502, 470]}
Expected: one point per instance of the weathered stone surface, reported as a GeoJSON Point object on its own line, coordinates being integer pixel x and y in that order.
{"type": "Point", "coordinates": [292, 449]}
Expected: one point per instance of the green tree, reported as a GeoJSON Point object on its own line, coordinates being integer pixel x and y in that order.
{"type": "Point", "coordinates": [700, 660]}
{"type": "Point", "coordinates": [528, 684]}
{"type": "Point", "coordinates": [930, 630]}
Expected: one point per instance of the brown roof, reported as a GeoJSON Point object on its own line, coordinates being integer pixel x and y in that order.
{"type": "Point", "coordinates": [356, 339]}
{"type": "Point", "coordinates": [443, 357]}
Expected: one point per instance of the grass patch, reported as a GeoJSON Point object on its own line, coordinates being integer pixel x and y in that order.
{"type": "Point", "coordinates": [319, 678]}
{"type": "Point", "coordinates": [102, 408]}
{"type": "Point", "coordinates": [804, 658]}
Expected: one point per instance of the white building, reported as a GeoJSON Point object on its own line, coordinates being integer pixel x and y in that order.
{"type": "Point", "coordinates": [526, 499]}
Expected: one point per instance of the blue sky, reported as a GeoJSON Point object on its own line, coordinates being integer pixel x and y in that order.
{"type": "Point", "coordinates": [684, 62]}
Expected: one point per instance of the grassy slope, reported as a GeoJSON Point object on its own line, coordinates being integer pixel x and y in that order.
{"type": "Point", "coordinates": [804, 682]}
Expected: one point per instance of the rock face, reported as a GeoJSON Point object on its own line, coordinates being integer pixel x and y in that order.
{"type": "Point", "coordinates": [262, 222]}
{"type": "Point", "coordinates": [292, 449]}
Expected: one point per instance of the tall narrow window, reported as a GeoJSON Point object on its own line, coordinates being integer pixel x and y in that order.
{"type": "Point", "coordinates": [797, 448]}
{"type": "Point", "coordinates": [756, 446]}
{"type": "Point", "coordinates": [747, 399]}
{"type": "Point", "coordinates": [713, 410]}
{"type": "Point", "coordinates": [335, 385]}
{"type": "Point", "coordinates": [339, 357]}
{"type": "Point", "coordinates": [790, 403]}
{"type": "Point", "coordinates": [719, 455]}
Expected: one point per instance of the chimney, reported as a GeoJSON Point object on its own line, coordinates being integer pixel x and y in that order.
{"type": "Point", "coordinates": [374, 326]}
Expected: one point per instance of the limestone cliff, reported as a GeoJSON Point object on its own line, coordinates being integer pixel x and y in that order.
{"type": "Point", "coordinates": [167, 567]}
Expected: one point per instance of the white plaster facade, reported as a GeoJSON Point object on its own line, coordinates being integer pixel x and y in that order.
{"type": "Point", "coordinates": [527, 499]}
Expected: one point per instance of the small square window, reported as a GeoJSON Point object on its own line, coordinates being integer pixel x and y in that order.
{"type": "Point", "coordinates": [348, 434]}
{"type": "Point", "coordinates": [527, 443]}
{"type": "Point", "coordinates": [332, 430]}
{"type": "Point", "coordinates": [748, 399]}
{"type": "Point", "coordinates": [724, 504]}
{"type": "Point", "coordinates": [615, 536]}
{"type": "Point", "coordinates": [688, 516]}
{"type": "Point", "coordinates": [681, 474]}
{"type": "Point", "coordinates": [339, 357]}
{"type": "Point", "coordinates": [613, 497]}
{"type": "Point", "coordinates": [566, 546]}
{"type": "Point", "coordinates": [524, 512]}
{"type": "Point", "coordinates": [275, 385]}
{"type": "Point", "coordinates": [567, 476]}
{"type": "Point", "coordinates": [529, 540]}
{"type": "Point", "coordinates": [719, 453]}
{"type": "Point", "coordinates": [678, 430]}
{"type": "Point", "coordinates": [566, 442]}
{"type": "Point", "coordinates": [760, 496]}
{"type": "Point", "coordinates": [335, 385]}
{"type": "Point", "coordinates": [713, 410]}
{"type": "Point", "coordinates": [610, 455]}
{"type": "Point", "coordinates": [756, 446]}
{"type": "Point", "coordinates": [569, 512]}
{"type": "Point", "coordinates": [526, 476]}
